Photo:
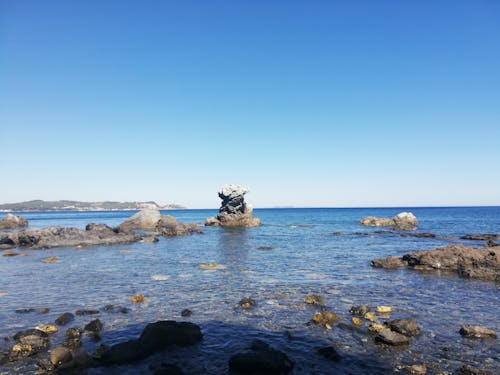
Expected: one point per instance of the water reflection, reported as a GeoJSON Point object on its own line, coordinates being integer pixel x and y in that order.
{"type": "Point", "coordinates": [234, 246]}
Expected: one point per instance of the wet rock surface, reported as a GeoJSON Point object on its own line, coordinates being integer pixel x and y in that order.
{"type": "Point", "coordinates": [407, 327]}
{"type": "Point", "coordinates": [261, 359]}
{"type": "Point", "coordinates": [467, 262]}
{"type": "Point", "coordinates": [477, 332]}
{"type": "Point", "coordinates": [234, 211]}
{"type": "Point", "coordinates": [168, 226]}
{"type": "Point", "coordinates": [65, 319]}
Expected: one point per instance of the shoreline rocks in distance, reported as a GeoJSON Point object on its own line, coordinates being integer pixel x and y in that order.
{"type": "Point", "coordinates": [234, 211]}
{"type": "Point", "coordinates": [465, 261]}
{"type": "Point", "coordinates": [11, 221]}
{"type": "Point", "coordinates": [402, 221]}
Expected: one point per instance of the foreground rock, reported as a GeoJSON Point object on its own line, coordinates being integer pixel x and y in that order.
{"type": "Point", "coordinates": [155, 337]}
{"type": "Point", "coordinates": [10, 221]}
{"type": "Point", "coordinates": [168, 226]}
{"type": "Point", "coordinates": [262, 359]}
{"type": "Point", "coordinates": [467, 262]}
{"type": "Point", "coordinates": [402, 221]}
{"type": "Point", "coordinates": [234, 212]}
{"type": "Point", "coordinates": [29, 342]}
{"type": "Point", "coordinates": [93, 235]}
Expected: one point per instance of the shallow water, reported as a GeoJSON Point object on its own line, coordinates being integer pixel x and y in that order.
{"type": "Point", "coordinates": [305, 258]}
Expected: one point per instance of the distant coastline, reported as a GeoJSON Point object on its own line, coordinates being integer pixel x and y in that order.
{"type": "Point", "coordinates": [67, 205]}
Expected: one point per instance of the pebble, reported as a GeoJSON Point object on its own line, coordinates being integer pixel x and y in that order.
{"type": "Point", "coordinates": [47, 328]}
{"type": "Point", "coordinates": [370, 316]}
{"type": "Point", "coordinates": [50, 260]}
{"type": "Point", "coordinates": [138, 298]}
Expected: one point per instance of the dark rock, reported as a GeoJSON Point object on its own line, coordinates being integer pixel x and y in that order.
{"type": "Point", "coordinates": [169, 226]}
{"type": "Point", "coordinates": [265, 248]}
{"type": "Point", "coordinates": [330, 353]}
{"type": "Point", "coordinates": [45, 366]}
{"type": "Point", "coordinates": [359, 310]}
{"type": "Point", "coordinates": [86, 312]}
{"type": "Point", "coordinates": [73, 338]}
{"type": "Point", "coordinates": [389, 337]}
{"type": "Point", "coordinates": [263, 360]}
{"type": "Point", "coordinates": [11, 221]}
{"type": "Point", "coordinates": [247, 303]}
{"type": "Point", "coordinates": [95, 326]}
{"type": "Point", "coordinates": [25, 310]}
{"type": "Point", "coordinates": [481, 237]}
{"type": "Point", "coordinates": [186, 313]}
{"type": "Point", "coordinates": [371, 221]}
{"type": "Point", "coordinates": [418, 235]}
{"type": "Point", "coordinates": [35, 340]}
{"type": "Point", "coordinates": [168, 369]}
{"type": "Point", "coordinates": [9, 253]}
{"type": "Point", "coordinates": [155, 337]}
{"type": "Point", "coordinates": [325, 318]}
{"type": "Point", "coordinates": [491, 243]}
{"type": "Point", "coordinates": [467, 262]}
{"type": "Point", "coordinates": [477, 332]}
{"type": "Point", "coordinates": [65, 319]}
{"type": "Point", "coordinates": [259, 345]}
{"type": "Point", "coordinates": [234, 212]}
{"type": "Point", "coordinates": [469, 370]}
{"type": "Point", "coordinates": [60, 356]}
{"type": "Point", "coordinates": [336, 234]}
{"type": "Point", "coordinates": [407, 327]}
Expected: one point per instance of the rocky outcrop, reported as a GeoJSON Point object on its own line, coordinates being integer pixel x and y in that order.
{"type": "Point", "coordinates": [234, 211]}
{"type": "Point", "coordinates": [402, 221]}
{"type": "Point", "coordinates": [10, 221]}
{"type": "Point", "coordinates": [467, 262]}
{"type": "Point", "coordinates": [93, 235]}
{"type": "Point", "coordinates": [146, 220]}
{"type": "Point", "coordinates": [168, 226]}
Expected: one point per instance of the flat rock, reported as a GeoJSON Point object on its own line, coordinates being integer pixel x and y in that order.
{"type": "Point", "coordinates": [407, 327]}
{"type": "Point", "coordinates": [477, 332]}
{"type": "Point", "coordinates": [389, 337]}
{"type": "Point", "coordinates": [467, 262]}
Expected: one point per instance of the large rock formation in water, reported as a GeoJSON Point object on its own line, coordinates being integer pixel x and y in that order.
{"type": "Point", "coordinates": [402, 221]}
{"type": "Point", "coordinates": [467, 262]}
{"type": "Point", "coordinates": [10, 221]}
{"type": "Point", "coordinates": [234, 211]}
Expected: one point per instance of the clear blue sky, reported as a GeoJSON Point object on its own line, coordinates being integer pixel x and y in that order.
{"type": "Point", "coordinates": [309, 103]}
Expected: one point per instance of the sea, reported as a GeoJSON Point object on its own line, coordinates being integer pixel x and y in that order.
{"type": "Point", "coordinates": [296, 252]}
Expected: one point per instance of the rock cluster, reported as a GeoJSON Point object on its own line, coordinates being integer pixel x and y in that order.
{"type": "Point", "coordinates": [98, 234]}
{"type": "Point", "coordinates": [234, 212]}
{"type": "Point", "coordinates": [10, 221]}
{"type": "Point", "coordinates": [402, 221]}
{"type": "Point", "coordinates": [467, 262]}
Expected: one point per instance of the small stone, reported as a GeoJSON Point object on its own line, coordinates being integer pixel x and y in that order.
{"type": "Point", "coordinates": [149, 240]}
{"type": "Point", "coordinates": [209, 266]}
{"type": "Point", "coordinates": [48, 329]}
{"type": "Point", "coordinates": [50, 260]}
{"type": "Point", "coordinates": [60, 355]}
{"type": "Point", "coordinates": [469, 370]}
{"type": "Point", "coordinates": [359, 310]}
{"type": "Point", "coordinates": [477, 332]}
{"type": "Point", "coordinates": [25, 310]}
{"type": "Point", "coordinates": [43, 310]}
{"type": "Point", "coordinates": [247, 303]}
{"type": "Point", "coordinates": [9, 253]}
{"type": "Point", "coordinates": [65, 319]}
{"type": "Point", "coordinates": [330, 353]}
{"type": "Point", "coordinates": [375, 327]}
{"type": "Point", "coordinates": [124, 251]}
{"type": "Point", "coordinates": [370, 316]}
{"type": "Point", "coordinates": [138, 298]}
{"type": "Point", "coordinates": [384, 309]}
{"type": "Point", "coordinates": [314, 299]}
{"type": "Point", "coordinates": [356, 321]}
{"type": "Point", "coordinates": [186, 313]}
{"type": "Point", "coordinates": [325, 318]}
{"type": "Point", "coordinates": [86, 312]}
{"type": "Point", "coordinates": [416, 369]}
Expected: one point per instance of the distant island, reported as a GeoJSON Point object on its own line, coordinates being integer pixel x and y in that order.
{"type": "Point", "coordinates": [65, 205]}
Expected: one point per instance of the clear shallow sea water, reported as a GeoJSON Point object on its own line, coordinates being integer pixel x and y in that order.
{"type": "Point", "coordinates": [305, 258]}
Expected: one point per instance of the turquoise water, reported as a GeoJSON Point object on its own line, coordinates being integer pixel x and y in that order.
{"type": "Point", "coordinates": [305, 258]}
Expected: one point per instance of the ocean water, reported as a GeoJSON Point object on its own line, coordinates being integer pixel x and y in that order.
{"type": "Point", "coordinates": [305, 258]}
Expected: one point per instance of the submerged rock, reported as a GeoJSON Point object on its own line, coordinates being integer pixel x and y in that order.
{"type": "Point", "coordinates": [60, 356]}
{"type": "Point", "coordinates": [11, 221]}
{"type": "Point", "coordinates": [155, 337]}
{"type": "Point", "coordinates": [390, 337]}
{"type": "Point", "coordinates": [359, 310]}
{"type": "Point", "coordinates": [477, 332]}
{"type": "Point", "coordinates": [407, 327]}
{"type": "Point", "coordinates": [314, 299]}
{"type": "Point", "coordinates": [467, 262]}
{"type": "Point", "coordinates": [30, 342]}
{"type": "Point", "coordinates": [65, 319]}
{"type": "Point", "coordinates": [247, 303]}
{"type": "Point", "coordinates": [262, 359]}
{"type": "Point", "coordinates": [234, 212]}
{"type": "Point", "coordinates": [330, 353]}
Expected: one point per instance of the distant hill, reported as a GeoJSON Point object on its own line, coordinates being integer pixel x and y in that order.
{"type": "Point", "coordinates": [64, 205]}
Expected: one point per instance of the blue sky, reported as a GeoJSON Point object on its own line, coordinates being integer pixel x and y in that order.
{"type": "Point", "coordinates": [309, 103]}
